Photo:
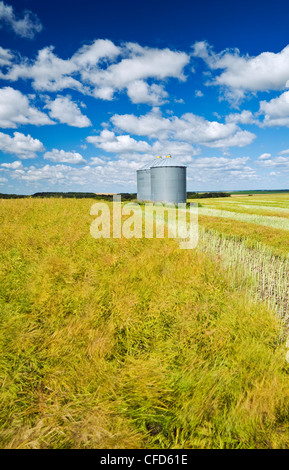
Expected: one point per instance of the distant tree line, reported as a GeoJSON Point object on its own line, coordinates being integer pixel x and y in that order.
{"type": "Point", "coordinates": [192, 195]}
{"type": "Point", "coordinates": [261, 191]}
{"type": "Point", "coordinates": [105, 197]}
{"type": "Point", "coordinates": [76, 195]}
{"type": "Point", "coordinates": [12, 196]}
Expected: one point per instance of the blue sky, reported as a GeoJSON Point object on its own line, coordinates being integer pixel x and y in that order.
{"type": "Point", "coordinates": [90, 91]}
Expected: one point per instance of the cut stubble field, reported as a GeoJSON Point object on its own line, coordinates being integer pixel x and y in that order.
{"type": "Point", "coordinates": [135, 343]}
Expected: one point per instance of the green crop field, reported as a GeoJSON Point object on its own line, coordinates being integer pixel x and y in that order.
{"type": "Point", "coordinates": [137, 344]}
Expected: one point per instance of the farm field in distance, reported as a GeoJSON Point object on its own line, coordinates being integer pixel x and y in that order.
{"type": "Point", "coordinates": [135, 343]}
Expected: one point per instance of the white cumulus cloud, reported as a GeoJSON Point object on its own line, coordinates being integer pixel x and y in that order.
{"type": "Point", "coordinates": [137, 64]}
{"type": "Point", "coordinates": [24, 146]}
{"type": "Point", "coordinates": [178, 149]}
{"type": "Point", "coordinates": [96, 161]}
{"type": "Point", "coordinates": [6, 57]}
{"type": "Point", "coordinates": [60, 156]}
{"type": "Point", "coordinates": [241, 73]}
{"type": "Point", "coordinates": [90, 55]}
{"type": "Point", "coordinates": [188, 128]}
{"type": "Point", "coordinates": [15, 110]}
{"type": "Point", "coordinates": [264, 156]}
{"type": "Point", "coordinates": [47, 72]}
{"type": "Point", "coordinates": [245, 117]}
{"type": "Point", "coordinates": [121, 172]}
{"type": "Point", "coordinates": [13, 166]}
{"type": "Point", "coordinates": [26, 26]}
{"type": "Point", "coordinates": [140, 92]}
{"type": "Point", "coordinates": [276, 111]}
{"type": "Point", "coordinates": [220, 170]}
{"type": "Point", "coordinates": [284, 152]}
{"type": "Point", "coordinates": [66, 111]}
{"type": "Point", "coordinates": [102, 69]}
{"type": "Point", "coordinates": [110, 142]}
{"type": "Point", "coordinates": [276, 162]}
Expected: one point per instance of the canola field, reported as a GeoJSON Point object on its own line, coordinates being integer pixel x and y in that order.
{"type": "Point", "coordinates": [134, 343]}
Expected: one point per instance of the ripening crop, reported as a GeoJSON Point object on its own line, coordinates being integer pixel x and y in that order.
{"type": "Point", "coordinates": [118, 343]}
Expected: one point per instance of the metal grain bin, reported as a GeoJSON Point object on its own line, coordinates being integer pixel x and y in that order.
{"type": "Point", "coordinates": [144, 182]}
{"type": "Point", "coordinates": [168, 181]}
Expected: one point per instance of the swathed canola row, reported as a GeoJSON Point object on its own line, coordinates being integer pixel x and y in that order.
{"type": "Point", "coordinates": [264, 273]}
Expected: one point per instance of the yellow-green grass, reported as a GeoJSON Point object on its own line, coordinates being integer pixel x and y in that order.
{"type": "Point", "coordinates": [116, 343]}
{"type": "Point", "coordinates": [268, 221]}
{"type": "Point", "coordinates": [260, 199]}
{"type": "Point", "coordinates": [273, 238]}
{"type": "Point", "coordinates": [263, 275]}
{"type": "Point", "coordinates": [252, 264]}
{"type": "Point", "coordinates": [252, 209]}
{"type": "Point", "coordinates": [252, 233]}
{"type": "Point", "coordinates": [275, 205]}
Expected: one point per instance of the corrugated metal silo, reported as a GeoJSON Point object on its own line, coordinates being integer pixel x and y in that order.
{"type": "Point", "coordinates": [144, 182]}
{"type": "Point", "coordinates": [168, 181]}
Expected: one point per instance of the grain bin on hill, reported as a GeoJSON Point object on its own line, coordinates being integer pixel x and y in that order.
{"type": "Point", "coordinates": [168, 181]}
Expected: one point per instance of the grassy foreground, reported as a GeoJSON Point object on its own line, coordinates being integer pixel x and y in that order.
{"type": "Point", "coordinates": [116, 343]}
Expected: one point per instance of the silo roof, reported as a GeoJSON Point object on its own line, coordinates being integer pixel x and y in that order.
{"type": "Point", "coordinates": [148, 165]}
{"type": "Point", "coordinates": [167, 161]}
{"type": "Point", "coordinates": [162, 162]}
